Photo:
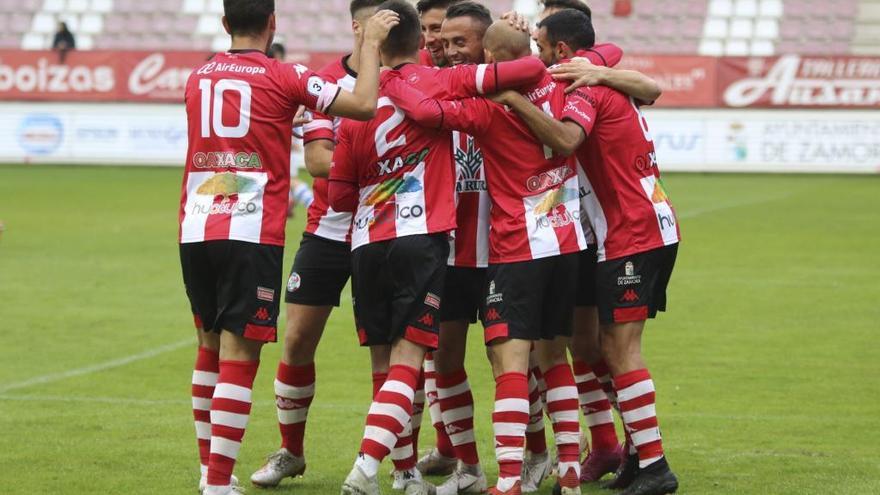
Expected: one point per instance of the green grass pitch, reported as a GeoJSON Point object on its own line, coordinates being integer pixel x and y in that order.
{"type": "Point", "coordinates": [767, 365]}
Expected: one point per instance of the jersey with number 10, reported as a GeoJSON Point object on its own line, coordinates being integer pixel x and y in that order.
{"type": "Point", "coordinates": [240, 106]}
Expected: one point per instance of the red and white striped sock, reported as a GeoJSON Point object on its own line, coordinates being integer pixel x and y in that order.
{"type": "Point", "coordinates": [635, 394]}
{"type": "Point", "coordinates": [204, 379]}
{"type": "Point", "coordinates": [294, 391]}
{"type": "Point", "coordinates": [417, 412]}
{"type": "Point", "coordinates": [509, 422]}
{"type": "Point", "coordinates": [457, 407]}
{"type": "Point", "coordinates": [378, 381]}
{"type": "Point", "coordinates": [444, 444]}
{"type": "Point", "coordinates": [596, 407]}
{"type": "Point", "coordinates": [389, 415]}
{"type": "Point", "coordinates": [230, 411]}
{"type": "Point", "coordinates": [603, 375]}
{"type": "Point", "coordinates": [536, 438]}
{"type": "Point", "coordinates": [403, 455]}
{"type": "Point", "coordinates": [562, 406]}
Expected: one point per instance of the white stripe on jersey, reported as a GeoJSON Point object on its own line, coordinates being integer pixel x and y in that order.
{"type": "Point", "coordinates": [481, 75]}
{"type": "Point", "coordinates": [334, 225]}
{"type": "Point", "coordinates": [412, 216]}
{"type": "Point", "coordinates": [483, 230]}
{"type": "Point", "coordinates": [246, 223]}
{"type": "Point", "coordinates": [596, 214]}
{"type": "Point", "coordinates": [586, 192]}
{"type": "Point", "coordinates": [665, 216]}
{"type": "Point", "coordinates": [192, 228]}
{"type": "Point", "coordinates": [543, 241]}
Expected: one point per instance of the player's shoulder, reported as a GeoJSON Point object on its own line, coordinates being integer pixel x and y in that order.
{"type": "Point", "coordinates": [337, 69]}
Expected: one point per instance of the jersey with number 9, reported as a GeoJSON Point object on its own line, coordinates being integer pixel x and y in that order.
{"type": "Point", "coordinates": [239, 107]}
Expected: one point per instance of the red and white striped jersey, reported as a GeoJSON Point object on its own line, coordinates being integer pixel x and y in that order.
{"type": "Point", "coordinates": [469, 243]}
{"type": "Point", "coordinates": [237, 177]}
{"type": "Point", "coordinates": [628, 207]}
{"type": "Point", "coordinates": [535, 209]}
{"type": "Point", "coordinates": [322, 220]}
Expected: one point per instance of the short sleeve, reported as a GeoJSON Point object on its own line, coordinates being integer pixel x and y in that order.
{"type": "Point", "coordinates": [343, 167]}
{"type": "Point", "coordinates": [306, 87]}
{"type": "Point", "coordinates": [579, 108]}
{"type": "Point", "coordinates": [320, 127]}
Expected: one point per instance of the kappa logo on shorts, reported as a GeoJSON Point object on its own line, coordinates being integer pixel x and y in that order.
{"type": "Point", "coordinates": [432, 300]}
{"type": "Point", "coordinates": [629, 296]}
{"type": "Point", "coordinates": [630, 277]}
{"type": "Point", "coordinates": [262, 314]}
{"type": "Point", "coordinates": [493, 298]}
{"type": "Point", "coordinates": [492, 315]}
{"type": "Point", "coordinates": [265, 294]}
{"type": "Point", "coordinates": [293, 282]}
{"type": "Point", "coordinates": [427, 319]}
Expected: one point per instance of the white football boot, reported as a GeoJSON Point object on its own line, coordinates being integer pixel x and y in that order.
{"type": "Point", "coordinates": [465, 479]}
{"type": "Point", "coordinates": [435, 464]}
{"type": "Point", "coordinates": [357, 483]}
{"type": "Point", "coordinates": [411, 482]}
{"type": "Point", "coordinates": [223, 490]}
{"type": "Point", "coordinates": [282, 464]}
{"type": "Point", "coordinates": [535, 469]}
{"type": "Point", "coordinates": [203, 481]}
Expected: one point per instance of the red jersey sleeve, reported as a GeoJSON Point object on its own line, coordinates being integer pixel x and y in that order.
{"type": "Point", "coordinates": [464, 81]}
{"type": "Point", "coordinates": [307, 88]}
{"type": "Point", "coordinates": [344, 168]}
{"type": "Point", "coordinates": [473, 115]}
{"type": "Point", "coordinates": [579, 109]}
{"type": "Point", "coordinates": [320, 127]}
{"type": "Point", "coordinates": [607, 54]}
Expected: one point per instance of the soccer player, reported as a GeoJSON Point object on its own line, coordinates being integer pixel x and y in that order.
{"type": "Point", "coordinates": [637, 242]}
{"type": "Point", "coordinates": [406, 180]}
{"type": "Point", "coordinates": [534, 241]}
{"type": "Point", "coordinates": [320, 270]}
{"type": "Point", "coordinates": [240, 106]}
{"type": "Point", "coordinates": [431, 15]}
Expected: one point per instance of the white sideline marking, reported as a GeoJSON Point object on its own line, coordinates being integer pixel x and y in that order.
{"type": "Point", "coordinates": [736, 204]}
{"type": "Point", "coordinates": [94, 368]}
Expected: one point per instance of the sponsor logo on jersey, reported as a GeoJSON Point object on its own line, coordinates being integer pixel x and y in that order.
{"type": "Point", "coordinates": [548, 179]}
{"type": "Point", "coordinates": [551, 212]}
{"type": "Point", "coordinates": [391, 187]}
{"type": "Point", "coordinates": [469, 162]}
{"type": "Point", "coordinates": [227, 159]}
{"type": "Point", "coordinates": [227, 184]}
{"type": "Point", "coordinates": [237, 68]}
{"type": "Point", "coordinates": [493, 298]}
{"type": "Point", "coordinates": [630, 277]}
{"type": "Point", "coordinates": [294, 282]}
{"type": "Point", "coordinates": [432, 300]}
{"type": "Point", "coordinates": [265, 294]}
{"type": "Point", "coordinates": [393, 164]}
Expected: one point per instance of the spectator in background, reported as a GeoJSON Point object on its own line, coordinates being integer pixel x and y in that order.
{"type": "Point", "coordinates": [63, 41]}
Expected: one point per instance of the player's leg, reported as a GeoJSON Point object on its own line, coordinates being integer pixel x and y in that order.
{"type": "Point", "coordinates": [440, 461]}
{"type": "Point", "coordinates": [538, 464]}
{"type": "Point", "coordinates": [622, 326]}
{"type": "Point", "coordinates": [605, 450]}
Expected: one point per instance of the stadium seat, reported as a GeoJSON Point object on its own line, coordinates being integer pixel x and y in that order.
{"type": "Point", "coordinates": [193, 6]}
{"type": "Point", "coordinates": [746, 8]}
{"type": "Point", "coordinates": [721, 8]}
{"type": "Point", "coordinates": [78, 6]}
{"type": "Point", "coordinates": [43, 24]}
{"type": "Point", "coordinates": [102, 6]}
{"type": "Point", "coordinates": [771, 8]}
{"type": "Point", "coordinates": [56, 6]}
{"type": "Point", "coordinates": [34, 41]}
{"type": "Point", "coordinates": [91, 24]}
{"type": "Point", "coordinates": [741, 28]}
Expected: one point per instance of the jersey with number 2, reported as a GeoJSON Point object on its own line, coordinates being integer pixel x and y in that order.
{"type": "Point", "coordinates": [240, 106]}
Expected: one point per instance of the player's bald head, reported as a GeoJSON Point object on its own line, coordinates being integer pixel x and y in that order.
{"type": "Point", "coordinates": [505, 42]}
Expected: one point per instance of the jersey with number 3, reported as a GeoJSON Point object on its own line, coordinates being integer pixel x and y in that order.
{"type": "Point", "coordinates": [240, 106]}
{"type": "Point", "coordinates": [629, 210]}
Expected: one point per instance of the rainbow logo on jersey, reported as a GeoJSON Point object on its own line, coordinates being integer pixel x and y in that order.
{"type": "Point", "coordinates": [659, 194]}
{"type": "Point", "coordinates": [391, 187]}
{"type": "Point", "coordinates": [227, 184]}
{"type": "Point", "coordinates": [556, 198]}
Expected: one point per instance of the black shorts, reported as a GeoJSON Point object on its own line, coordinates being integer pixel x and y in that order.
{"type": "Point", "coordinates": [320, 271]}
{"type": "Point", "coordinates": [463, 294]}
{"type": "Point", "coordinates": [586, 284]}
{"type": "Point", "coordinates": [633, 288]}
{"type": "Point", "coordinates": [397, 286]}
{"type": "Point", "coordinates": [530, 300]}
{"type": "Point", "coordinates": [234, 286]}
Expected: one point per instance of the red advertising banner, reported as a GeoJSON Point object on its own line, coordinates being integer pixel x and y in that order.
{"type": "Point", "coordinates": [108, 75]}
{"type": "Point", "coordinates": [796, 81]}
{"type": "Point", "coordinates": [685, 81]}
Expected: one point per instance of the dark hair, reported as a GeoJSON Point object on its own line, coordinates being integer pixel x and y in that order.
{"type": "Point", "coordinates": [473, 10]}
{"type": "Point", "coordinates": [570, 26]}
{"type": "Point", "coordinates": [425, 5]}
{"type": "Point", "coordinates": [277, 51]}
{"type": "Point", "coordinates": [404, 38]}
{"type": "Point", "coordinates": [248, 17]}
{"type": "Point", "coordinates": [357, 5]}
{"type": "Point", "coordinates": [568, 4]}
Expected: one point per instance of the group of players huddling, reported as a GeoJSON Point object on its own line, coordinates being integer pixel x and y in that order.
{"type": "Point", "coordinates": [456, 178]}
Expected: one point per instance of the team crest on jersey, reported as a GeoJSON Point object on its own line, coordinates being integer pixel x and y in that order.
{"type": "Point", "coordinates": [469, 161]}
{"type": "Point", "coordinates": [293, 282]}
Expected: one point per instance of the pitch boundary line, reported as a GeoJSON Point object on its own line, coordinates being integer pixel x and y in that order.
{"type": "Point", "coordinates": [737, 204]}
{"type": "Point", "coordinates": [94, 368]}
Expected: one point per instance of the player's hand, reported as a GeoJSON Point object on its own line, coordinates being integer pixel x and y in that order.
{"type": "Point", "coordinates": [504, 97]}
{"type": "Point", "coordinates": [516, 20]}
{"type": "Point", "coordinates": [380, 24]}
{"type": "Point", "coordinates": [581, 72]}
{"type": "Point", "coordinates": [301, 117]}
